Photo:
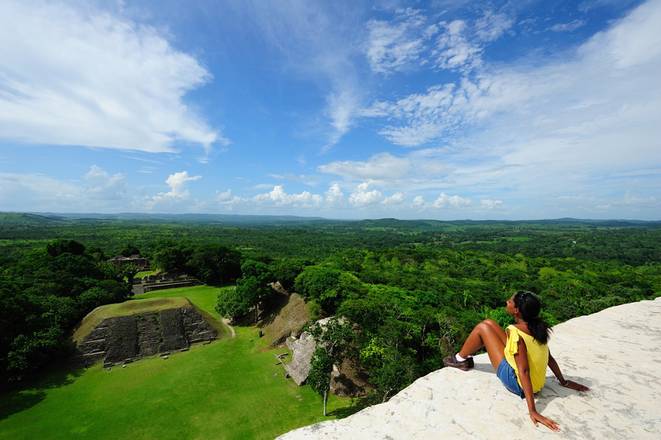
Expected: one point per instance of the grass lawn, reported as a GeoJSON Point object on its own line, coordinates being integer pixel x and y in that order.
{"type": "Point", "coordinates": [230, 389]}
{"type": "Point", "coordinates": [144, 273]}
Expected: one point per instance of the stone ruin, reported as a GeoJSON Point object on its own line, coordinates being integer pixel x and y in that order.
{"type": "Point", "coordinates": [347, 379]}
{"type": "Point", "coordinates": [123, 339]}
{"type": "Point", "coordinates": [163, 281]}
{"type": "Point", "coordinates": [302, 349]}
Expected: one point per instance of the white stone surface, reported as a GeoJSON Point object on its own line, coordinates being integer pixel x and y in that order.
{"type": "Point", "coordinates": [302, 351]}
{"type": "Point", "coordinates": [616, 352]}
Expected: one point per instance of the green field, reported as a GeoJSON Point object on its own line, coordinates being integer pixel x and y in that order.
{"type": "Point", "coordinates": [230, 389]}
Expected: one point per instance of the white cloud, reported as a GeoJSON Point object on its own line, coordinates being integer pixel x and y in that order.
{"type": "Point", "coordinates": [72, 75]}
{"type": "Point", "coordinates": [492, 25]}
{"type": "Point", "coordinates": [418, 202]}
{"type": "Point", "coordinates": [279, 197]}
{"type": "Point", "coordinates": [490, 203]}
{"type": "Point", "coordinates": [394, 199]}
{"type": "Point", "coordinates": [552, 119]}
{"type": "Point", "coordinates": [362, 196]}
{"type": "Point", "coordinates": [178, 190]}
{"type": "Point", "coordinates": [393, 45]}
{"type": "Point", "coordinates": [426, 115]}
{"type": "Point", "coordinates": [96, 191]}
{"type": "Point", "coordinates": [342, 106]}
{"type": "Point", "coordinates": [380, 166]}
{"type": "Point", "coordinates": [455, 201]}
{"type": "Point", "coordinates": [318, 44]}
{"type": "Point", "coordinates": [228, 200]}
{"type": "Point", "coordinates": [334, 195]}
{"type": "Point", "coordinates": [567, 27]}
{"type": "Point", "coordinates": [101, 185]}
{"type": "Point", "coordinates": [454, 50]}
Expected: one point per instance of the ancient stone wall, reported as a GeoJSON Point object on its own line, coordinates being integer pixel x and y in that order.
{"type": "Point", "coordinates": [127, 338]}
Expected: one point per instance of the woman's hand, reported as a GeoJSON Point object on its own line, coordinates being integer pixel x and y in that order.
{"type": "Point", "coordinates": [537, 417]}
{"type": "Point", "coordinates": [574, 385]}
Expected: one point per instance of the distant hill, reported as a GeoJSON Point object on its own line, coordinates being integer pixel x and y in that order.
{"type": "Point", "coordinates": [27, 219]}
{"type": "Point", "coordinates": [13, 218]}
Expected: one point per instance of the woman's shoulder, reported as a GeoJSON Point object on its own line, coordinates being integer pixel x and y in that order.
{"type": "Point", "coordinates": [521, 329]}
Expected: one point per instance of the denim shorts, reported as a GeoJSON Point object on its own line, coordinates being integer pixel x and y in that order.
{"type": "Point", "coordinates": [507, 376]}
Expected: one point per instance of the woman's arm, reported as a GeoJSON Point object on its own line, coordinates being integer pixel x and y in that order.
{"type": "Point", "coordinates": [521, 358]}
{"type": "Point", "coordinates": [553, 365]}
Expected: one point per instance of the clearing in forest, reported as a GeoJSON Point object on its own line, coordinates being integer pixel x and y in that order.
{"type": "Point", "coordinates": [229, 389]}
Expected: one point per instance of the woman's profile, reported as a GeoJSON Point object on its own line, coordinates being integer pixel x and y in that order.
{"type": "Point", "coordinates": [519, 354]}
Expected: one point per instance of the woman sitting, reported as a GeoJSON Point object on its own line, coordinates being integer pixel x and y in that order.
{"type": "Point", "coordinates": [520, 355]}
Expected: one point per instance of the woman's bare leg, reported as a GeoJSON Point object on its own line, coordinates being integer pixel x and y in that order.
{"type": "Point", "coordinates": [491, 336]}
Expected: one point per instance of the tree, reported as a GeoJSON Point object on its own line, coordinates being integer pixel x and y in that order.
{"type": "Point", "coordinates": [172, 258]}
{"type": "Point", "coordinates": [65, 246]}
{"type": "Point", "coordinates": [320, 370]}
{"type": "Point", "coordinates": [287, 269]}
{"type": "Point", "coordinates": [334, 341]}
{"type": "Point", "coordinates": [129, 250]}
{"type": "Point", "coordinates": [328, 286]}
{"type": "Point", "coordinates": [233, 303]}
{"type": "Point", "coordinates": [214, 264]}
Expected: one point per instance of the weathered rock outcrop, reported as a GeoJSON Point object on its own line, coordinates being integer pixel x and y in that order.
{"type": "Point", "coordinates": [302, 351]}
{"type": "Point", "coordinates": [126, 338]}
{"type": "Point", "coordinates": [346, 379]}
{"type": "Point", "coordinates": [616, 352]}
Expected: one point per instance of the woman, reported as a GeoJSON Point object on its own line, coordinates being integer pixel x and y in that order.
{"type": "Point", "coordinates": [520, 355]}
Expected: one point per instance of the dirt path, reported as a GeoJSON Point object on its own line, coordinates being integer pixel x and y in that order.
{"type": "Point", "coordinates": [227, 323]}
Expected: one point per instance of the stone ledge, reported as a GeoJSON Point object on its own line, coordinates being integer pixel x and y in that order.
{"type": "Point", "coordinates": [616, 352]}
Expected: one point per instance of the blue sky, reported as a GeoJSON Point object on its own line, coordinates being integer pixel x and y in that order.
{"type": "Point", "coordinates": [434, 109]}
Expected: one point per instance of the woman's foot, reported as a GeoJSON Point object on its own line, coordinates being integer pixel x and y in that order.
{"type": "Point", "coordinates": [451, 361]}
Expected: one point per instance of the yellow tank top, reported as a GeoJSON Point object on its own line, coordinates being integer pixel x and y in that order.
{"type": "Point", "coordinates": [538, 357]}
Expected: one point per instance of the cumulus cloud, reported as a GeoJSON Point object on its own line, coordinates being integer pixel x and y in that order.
{"type": "Point", "coordinates": [490, 203]}
{"type": "Point", "coordinates": [72, 75]}
{"type": "Point", "coordinates": [334, 195]}
{"type": "Point", "coordinates": [179, 192]}
{"type": "Point", "coordinates": [418, 202]}
{"type": "Point", "coordinates": [394, 199]}
{"type": "Point", "coordinates": [362, 196]}
{"type": "Point", "coordinates": [278, 197]}
{"type": "Point", "coordinates": [102, 185]}
{"type": "Point", "coordinates": [454, 201]}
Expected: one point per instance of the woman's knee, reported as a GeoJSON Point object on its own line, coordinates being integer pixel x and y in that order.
{"type": "Point", "coordinates": [489, 324]}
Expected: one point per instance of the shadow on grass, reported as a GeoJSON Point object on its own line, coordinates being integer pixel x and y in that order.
{"type": "Point", "coordinates": [357, 404]}
{"type": "Point", "coordinates": [26, 394]}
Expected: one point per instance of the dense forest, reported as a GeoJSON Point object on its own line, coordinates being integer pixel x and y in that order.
{"type": "Point", "coordinates": [411, 289]}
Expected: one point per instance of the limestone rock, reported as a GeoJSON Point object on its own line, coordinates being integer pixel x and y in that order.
{"type": "Point", "coordinates": [616, 352]}
{"type": "Point", "coordinates": [302, 350]}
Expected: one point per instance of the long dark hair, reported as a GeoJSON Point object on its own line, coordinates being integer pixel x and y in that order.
{"type": "Point", "coordinates": [530, 306]}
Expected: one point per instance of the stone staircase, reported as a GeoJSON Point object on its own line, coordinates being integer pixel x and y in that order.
{"type": "Point", "coordinates": [124, 339]}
